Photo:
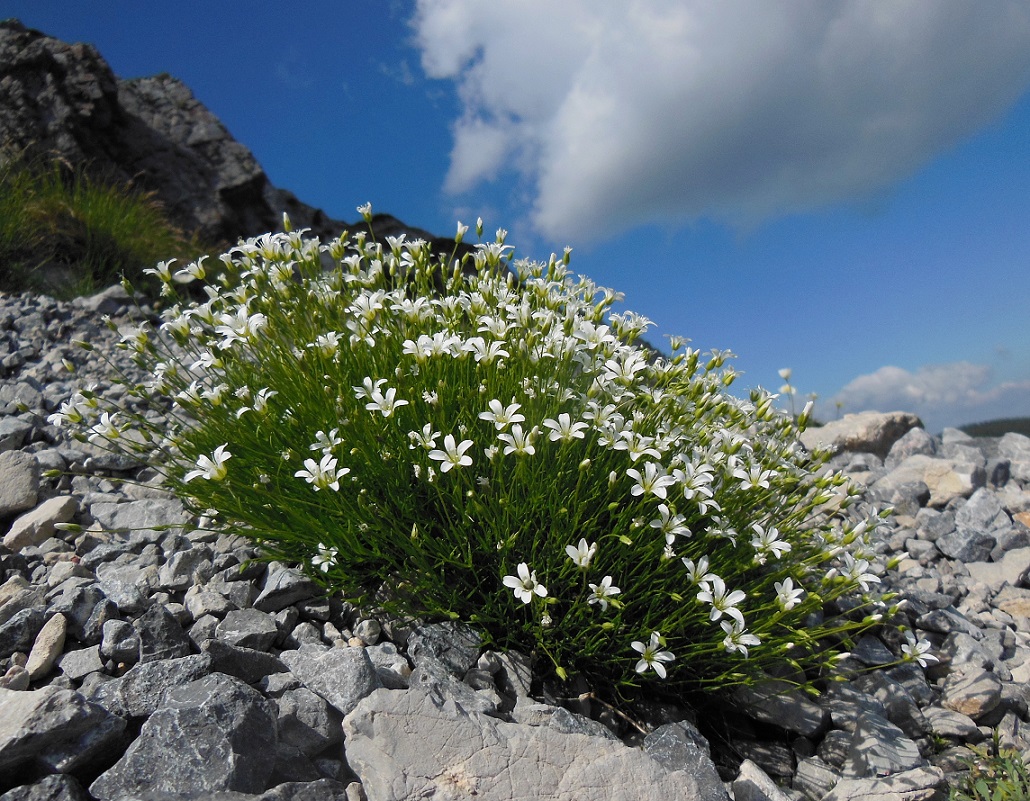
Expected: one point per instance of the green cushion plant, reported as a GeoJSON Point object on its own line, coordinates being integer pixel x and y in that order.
{"type": "Point", "coordinates": [483, 439]}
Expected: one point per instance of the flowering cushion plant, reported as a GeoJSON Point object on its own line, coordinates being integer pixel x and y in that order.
{"type": "Point", "coordinates": [483, 438]}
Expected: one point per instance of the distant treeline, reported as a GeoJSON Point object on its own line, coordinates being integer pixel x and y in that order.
{"type": "Point", "coordinates": [997, 428]}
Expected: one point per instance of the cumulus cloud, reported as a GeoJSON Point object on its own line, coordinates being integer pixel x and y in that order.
{"type": "Point", "coordinates": [941, 394]}
{"type": "Point", "coordinates": [622, 112]}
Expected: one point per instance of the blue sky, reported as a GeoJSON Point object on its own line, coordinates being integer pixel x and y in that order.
{"type": "Point", "coordinates": [839, 188]}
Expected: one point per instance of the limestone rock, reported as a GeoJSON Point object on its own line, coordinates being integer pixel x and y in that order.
{"type": "Point", "coordinates": [919, 784]}
{"type": "Point", "coordinates": [19, 482]}
{"type": "Point", "coordinates": [973, 692]}
{"type": "Point", "coordinates": [455, 644]}
{"type": "Point", "coordinates": [51, 730]}
{"type": "Point", "coordinates": [34, 527]}
{"type": "Point", "coordinates": [869, 432]}
{"type": "Point", "coordinates": [1013, 566]}
{"type": "Point", "coordinates": [48, 647]}
{"type": "Point", "coordinates": [1016, 448]}
{"type": "Point", "coordinates": [342, 676]}
{"type": "Point", "coordinates": [777, 703]}
{"type": "Point", "coordinates": [754, 784]}
{"type": "Point", "coordinates": [212, 734]}
{"type": "Point", "coordinates": [879, 748]}
{"type": "Point", "coordinates": [247, 628]}
{"type": "Point", "coordinates": [141, 691]}
{"type": "Point", "coordinates": [495, 761]}
{"type": "Point", "coordinates": [946, 479]}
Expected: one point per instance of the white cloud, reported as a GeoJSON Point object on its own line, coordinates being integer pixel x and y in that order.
{"type": "Point", "coordinates": [941, 394]}
{"type": "Point", "coordinates": [621, 112]}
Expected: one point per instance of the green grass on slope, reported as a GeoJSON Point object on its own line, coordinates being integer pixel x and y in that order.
{"type": "Point", "coordinates": [65, 233]}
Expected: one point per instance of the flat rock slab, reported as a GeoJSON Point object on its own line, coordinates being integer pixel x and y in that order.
{"type": "Point", "coordinates": [919, 784]}
{"type": "Point", "coordinates": [482, 757]}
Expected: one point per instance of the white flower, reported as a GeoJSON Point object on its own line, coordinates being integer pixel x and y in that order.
{"type": "Point", "coordinates": [241, 326]}
{"type": "Point", "coordinates": [325, 559]}
{"type": "Point", "coordinates": [670, 524]}
{"type": "Point", "coordinates": [525, 584]}
{"type": "Point", "coordinates": [856, 570]}
{"type": "Point", "coordinates": [260, 402]}
{"type": "Point", "coordinates": [326, 442]}
{"type": "Point", "coordinates": [194, 271]}
{"type": "Point", "coordinates": [483, 351]}
{"type": "Point", "coordinates": [918, 651]}
{"type": "Point", "coordinates": [518, 441]}
{"type": "Point", "coordinates": [502, 416]}
{"type": "Point", "coordinates": [581, 554]}
{"type": "Point", "coordinates": [368, 388]}
{"type": "Point", "coordinates": [327, 344]}
{"type": "Point", "coordinates": [73, 410]}
{"type": "Point", "coordinates": [211, 467]}
{"type": "Point", "coordinates": [754, 477]}
{"type": "Point", "coordinates": [654, 481]}
{"type": "Point", "coordinates": [624, 372]}
{"type": "Point", "coordinates": [385, 403]}
{"type": "Point", "coordinates": [765, 542]}
{"type": "Point", "coordinates": [162, 271]}
{"type": "Point", "coordinates": [737, 637]}
{"type": "Point", "coordinates": [698, 573]}
{"type": "Point", "coordinates": [453, 454]}
{"type": "Point", "coordinates": [106, 429]}
{"type": "Point", "coordinates": [322, 474]}
{"type": "Point", "coordinates": [722, 600]}
{"type": "Point", "coordinates": [564, 429]}
{"type": "Point", "coordinates": [651, 656]}
{"type": "Point", "coordinates": [427, 347]}
{"type": "Point", "coordinates": [787, 596]}
{"type": "Point", "coordinates": [636, 445]}
{"type": "Point", "coordinates": [695, 481]}
{"type": "Point", "coordinates": [425, 438]}
{"type": "Point", "coordinates": [602, 592]}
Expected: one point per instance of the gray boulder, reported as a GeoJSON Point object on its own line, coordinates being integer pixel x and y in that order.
{"type": "Point", "coordinates": [1016, 448]}
{"type": "Point", "coordinates": [342, 676]}
{"type": "Point", "coordinates": [946, 479]}
{"type": "Point", "coordinates": [141, 691]}
{"type": "Point", "coordinates": [212, 734]}
{"type": "Point", "coordinates": [870, 432]}
{"type": "Point", "coordinates": [52, 730]}
{"type": "Point", "coordinates": [480, 756]}
{"type": "Point", "coordinates": [19, 482]}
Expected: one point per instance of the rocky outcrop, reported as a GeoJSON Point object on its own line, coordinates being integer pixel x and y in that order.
{"type": "Point", "coordinates": [63, 100]}
{"type": "Point", "coordinates": [866, 432]}
{"type": "Point", "coordinates": [165, 663]}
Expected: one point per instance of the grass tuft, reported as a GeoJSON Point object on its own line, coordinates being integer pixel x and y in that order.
{"type": "Point", "coordinates": [67, 233]}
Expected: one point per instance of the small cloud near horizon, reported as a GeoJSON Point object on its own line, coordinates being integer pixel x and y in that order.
{"type": "Point", "coordinates": [942, 395]}
{"type": "Point", "coordinates": [617, 114]}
